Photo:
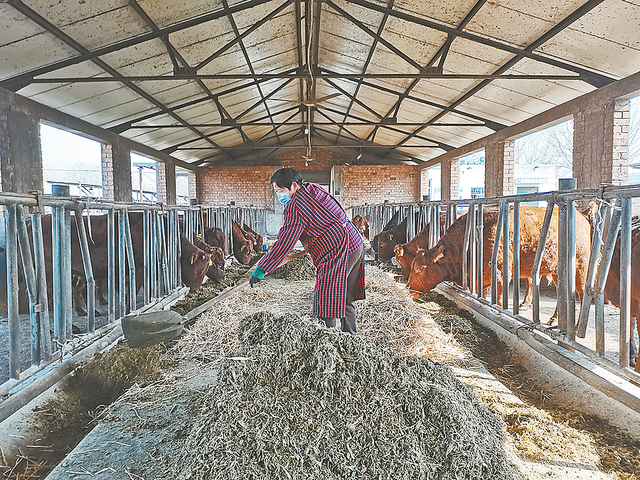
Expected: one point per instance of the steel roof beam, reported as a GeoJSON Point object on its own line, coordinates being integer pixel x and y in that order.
{"type": "Point", "coordinates": [368, 60]}
{"type": "Point", "coordinates": [125, 126]}
{"type": "Point", "coordinates": [239, 38]}
{"type": "Point", "coordinates": [440, 55]}
{"type": "Point", "coordinates": [252, 123]}
{"type": "Point", "coordinates": [145, 37]}
{"type": "Point", "coordinates": [594, 78]}
{"type": "Point", "coordinates": [546, 36]}
{"type": "Point", "coordinates": [38, 19]}
{"type": "Point", "coordinates": [263, 77]}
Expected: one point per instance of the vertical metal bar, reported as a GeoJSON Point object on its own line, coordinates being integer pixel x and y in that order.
{"type": "Point", "coordinates": [122, 297]}
{"type": "Point", "coordinates": [12, 293]}
{"type": "Point", "coordinates": [59, 329]}
{"type": "Point", "coordinates": [41, 276]}
{"type": "Point", "coordinates": [625, 282]}
{"type": "Point", "coordinates": [111, 281]}
{"type": "Point", "coordinates": [66, 278]}
{"type": "Point", "coordinates": [516, 258]}
{"type": "Point", "coordinates": [571, 270]}
{"type": "Point", "coordinates": [561, 288]}
{"type": "Point", "coordinates": [153, 251]}
{"type": "Point", "coordinates": [494, 255]}
{"type": "Point", "coordinates": [88, 270]}
{"type": "Point", "coordinates": [603, 271]}
{"type": "Point", "coordinates": [535, 270]}
{"type": "Point", "coordinates": [594, 255]}
{"type": "Point", "coordinates": [480, 250]}
{"type": "Point", "coordinates": [465, 248]}
{"type": "Point", "coordinates": [472, 249]}
{"type": "Point", "coordinates": [162, 241]}
{"type": "Point", "coordinates": [146, 220]}
{"type": "Point", "coordinates": [132, 265]}
{"type": "Point", "coordinates": [30, 279]}
{"type": "Point", "coordinates": [505, 257]}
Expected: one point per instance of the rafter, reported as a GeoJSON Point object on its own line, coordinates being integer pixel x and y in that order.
{"type": "Point", "coordinates": [510, 63]}
{"type": "Point", "coordinates": [596, 79]}
{"type": "Point", "coordinates": [35, 17]}
{"type": "Point", "coordinates": [24, 78]}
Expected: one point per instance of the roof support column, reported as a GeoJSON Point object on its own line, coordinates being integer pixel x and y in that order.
{"type": "Point", "coordinates": [116, 172]}
{"type": "Point", "coordinates": [450, 179]}
{"type": "Point", "coordinates": [600, 144]}
{"type": "Point", "coordinates": [20, 152]}
{"type": "Point", "coordinates": [166, 183]}
{"type": "Point", "coordinates": [498, 169]}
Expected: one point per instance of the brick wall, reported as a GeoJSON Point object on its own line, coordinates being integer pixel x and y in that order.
{"type": "Point", "coordinates": [362, 183]}
{"type": "Point", "coordinates": [376, 183]}
{"type": "Point", "coordinates": [242, 185]}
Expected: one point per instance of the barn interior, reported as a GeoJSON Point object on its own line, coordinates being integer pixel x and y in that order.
{"type": "Point", "coordinates": [366, 98]}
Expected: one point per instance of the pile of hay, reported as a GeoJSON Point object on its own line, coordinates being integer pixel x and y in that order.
{"type": "Point", "coordinates": [387, 317]}
{"type": "Point", "coordinates": [234, 273]}
{"type": "Point", "coordinates": [302, 401]}
{"type": "Point", "coordinates": [300, 268]}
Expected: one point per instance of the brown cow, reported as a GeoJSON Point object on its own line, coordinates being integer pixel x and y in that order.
{"type": "Point", "coordinates": [216, 265]}
{"type": "Point", "coordinates": [389, 239]}
{"type": "Point", "coordinates": [242, 247]}
{"type": "Point", "coordinates": [215, 237]}
{"type": "Point", "coordinates": [405, 253]}
{"type": "Point", "coordinates": [258, 240]}
{"type": "Point", "coordinates": [612, 286]}
{"type": "Point", "coordinates": [444, 261]}
{"type": "Point", "coordinates": [362, 224]}
{"type": "Point", "coordinates": [194, 263]}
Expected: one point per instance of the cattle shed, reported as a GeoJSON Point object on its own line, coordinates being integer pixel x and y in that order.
{"type": "Point", "coordinates": [365, 98]}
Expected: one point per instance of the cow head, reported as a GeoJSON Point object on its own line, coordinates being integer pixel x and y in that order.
{"type": "Point", "coordinates": [194, 268]}
{"type": "Point", "coordinates": [245, 252]}
{"type": "Point", "coordinates": [404, 258]}
{"type": "Point", "coordinates": [429, 268]}
{"type": "Point", "coordinates": [385, 246]}
{"type": "Point", "coordinates": [216, 265]}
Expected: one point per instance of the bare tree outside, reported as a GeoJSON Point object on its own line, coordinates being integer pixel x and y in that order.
{"type": "Point", "coordinates": [551, 146]}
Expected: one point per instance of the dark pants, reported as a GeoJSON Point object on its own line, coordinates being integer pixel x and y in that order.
{"type": "Point", "coordinates": [353, 269]}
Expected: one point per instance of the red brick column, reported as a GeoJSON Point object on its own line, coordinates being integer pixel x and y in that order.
{"type": "Point", "coordinates": [600, 144]}
{"type": "Point", "coordinates": [450, 179]}
{"type": "Point", "coordinates": [498, 169]}
{"type": "Point", "coordinates": [166, 183]}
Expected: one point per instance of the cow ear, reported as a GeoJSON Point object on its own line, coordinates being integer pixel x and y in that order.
{"type": "Point", "coordinates": [399, 250]}
{"type": "Point", "coordinates": [194, 257]}
{"type": "Point", "coordinates": [439, 253]}
{"type": "Point", "coordinates": [391, 236]}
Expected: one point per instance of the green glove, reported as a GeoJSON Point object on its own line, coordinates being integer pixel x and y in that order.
{"type": "Point", "coordinates": [257, 275]}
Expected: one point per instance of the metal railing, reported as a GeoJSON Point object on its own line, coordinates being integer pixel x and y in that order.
{"type": "Point", "coordinates": [29, 255]}
{"type": "Point", "coordinates": [613, 222]}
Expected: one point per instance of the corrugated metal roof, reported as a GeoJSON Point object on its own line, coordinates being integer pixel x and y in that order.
{"type": "Point", "coordinates": [238, 82]}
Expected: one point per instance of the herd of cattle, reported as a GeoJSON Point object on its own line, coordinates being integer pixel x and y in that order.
{"type": "Point", "coordinates": [425, 267]}
{"type": "Point", "coordinates": [200, 258]}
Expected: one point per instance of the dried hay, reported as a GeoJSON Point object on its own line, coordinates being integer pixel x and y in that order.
{"type": "Point", "coordinates": [301, 268]}
{"type": "Point", "coordinates": [235, 273]}
{"type": "Point", "coordinates": [540, 430]}
{"type": "Point", "coordinates": [26, 468]}
{"type": "Point", "coordinates": [303, 401]}
{"type": "Point", "coordinates": [387, 317]}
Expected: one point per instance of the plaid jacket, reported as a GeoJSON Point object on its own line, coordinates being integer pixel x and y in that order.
{"type": "Point", "coordinates": [326, 237]}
